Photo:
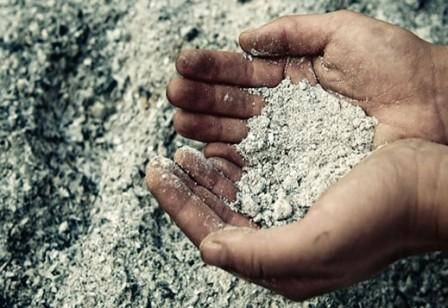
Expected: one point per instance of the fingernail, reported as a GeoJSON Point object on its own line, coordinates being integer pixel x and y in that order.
{"type": "Point", "coordinates": [212, 253]}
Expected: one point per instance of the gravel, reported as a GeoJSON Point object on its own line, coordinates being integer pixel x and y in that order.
{"type": "Point", "coordinates": [82, 110]}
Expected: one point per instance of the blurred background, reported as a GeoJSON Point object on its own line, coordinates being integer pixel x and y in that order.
{"type": "Point", "coordinates": [83, 109]}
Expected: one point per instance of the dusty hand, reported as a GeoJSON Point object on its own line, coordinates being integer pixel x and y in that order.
{"type": "Point", "coordinates": [392, 205]}
{"type": "Point", "coordinates": [386, 208]}
{"type": "Point", "coordinates": [395, 76]}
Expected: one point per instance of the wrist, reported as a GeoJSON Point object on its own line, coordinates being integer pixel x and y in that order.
{"type": "Point", "coordinates": [430, 221]}
{"type": "Point", "coordinates": [441, 199]}
{"type": "Point", "coordinates": [440, 76]}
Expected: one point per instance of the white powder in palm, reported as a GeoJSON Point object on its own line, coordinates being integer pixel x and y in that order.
{"type": "Point", "coordinates": [304, 141]}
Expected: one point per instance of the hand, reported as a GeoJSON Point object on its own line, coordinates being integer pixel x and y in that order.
{"type": "Point", "coordinates": [391, 73]}
{"type": "Point", "coordinates": [392, 205]}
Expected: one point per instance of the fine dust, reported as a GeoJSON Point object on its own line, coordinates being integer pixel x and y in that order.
{"type": "Point", "coordinates": [83, 110]}
{"type": "Point", "coordinates": [304, 141]}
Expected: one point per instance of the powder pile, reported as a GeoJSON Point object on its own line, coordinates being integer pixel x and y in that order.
{"type": "Point", "coordinates": [82, 111]}
{"type": "Point", "coordinates": [304, 141]}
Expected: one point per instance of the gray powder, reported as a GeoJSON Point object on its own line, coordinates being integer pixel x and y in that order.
{"type": "Point", "coordinates": [304, 141]}
{"type": "Point", "coordinates": [82, 111]}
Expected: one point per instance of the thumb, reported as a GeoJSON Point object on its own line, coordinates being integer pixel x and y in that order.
{"type": "Point", "coordinates": [262, 254]}
{"type": "Point", "coordinates": [296, 35]}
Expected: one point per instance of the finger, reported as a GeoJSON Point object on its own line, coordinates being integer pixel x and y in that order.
{"type": "Point", "coordinates": [298, 35]}
{"type": "Point", "coordinates": [228, 216]}
{"type": "Point", "coordinates": [213, 99]}
{"type": "Point", "coordinates": [255, 254]}
{"type": "Point", "coordinates": [208, 128]}
{"type": "Point", "coordinates": [203, 172]}
{"type": "Point", "coordinates": [229, 169]}
{"type": "Point", "coordinates": [224, 150]}
{"type": "Point", "coordinates": [192, 215]}
{"type": "Point", "coordinates": [302, 249]}
{"type": "Point", "coordinates": [229, 68]}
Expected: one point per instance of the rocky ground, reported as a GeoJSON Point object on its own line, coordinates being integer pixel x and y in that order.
{"type": "Point", "coordinates": [82, 110]}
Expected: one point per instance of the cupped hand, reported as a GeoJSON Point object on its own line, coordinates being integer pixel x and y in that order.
{"type": "Point", "coordinates": [391, 73]}
{"type": "Point", "coordinates": [391, 205]}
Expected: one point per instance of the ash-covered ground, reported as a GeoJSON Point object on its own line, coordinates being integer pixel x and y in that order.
{"type": "Point", "coordinates": [82, 110]}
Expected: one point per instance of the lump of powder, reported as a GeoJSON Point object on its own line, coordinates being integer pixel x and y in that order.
{"type": "Point", "coordinates": [304, 141]}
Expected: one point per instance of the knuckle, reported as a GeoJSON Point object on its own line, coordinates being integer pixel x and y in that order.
{"type": "Point", "coordinates": [211, 128]}
{"type": "Point", "coordinates": [287, 21]}
{"type": "Point", "coordinates": [258, 270]}
{"type": "Point", "coordinates": [197, 125]}
{"type": "Point", "coordinates": [250, 71]}
{"type": "Point", "coordinates": [286, 18]}
{"type": "Point", "coordinates": [210, 98]}
{"type": "Point", "coordinates": [213, 181]}
{"type": "Point", "coordinates": [254, 269]}
{"type": "Point", "coordinates": [225, 213]}
{"type": "Point", "coordinates": [255, 104]}
{"type": "Point", "coordinates": [180, 123]}
{"type": "Point", "coordinates": [224, 150]}
{"type": "Point", "coordinates": [343, 16]}
{"type": "Point", "coordinates": [216, 149]}
{"type": "Point", "coordinates": [345, 13]}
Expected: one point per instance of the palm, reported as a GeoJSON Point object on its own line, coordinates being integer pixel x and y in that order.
{"type": "Point", "coordinates": [356, 60]}
{"type": "Point", "coordinates": [387, 71]}
{"type": "Point", "coordinates": [343, 239]}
